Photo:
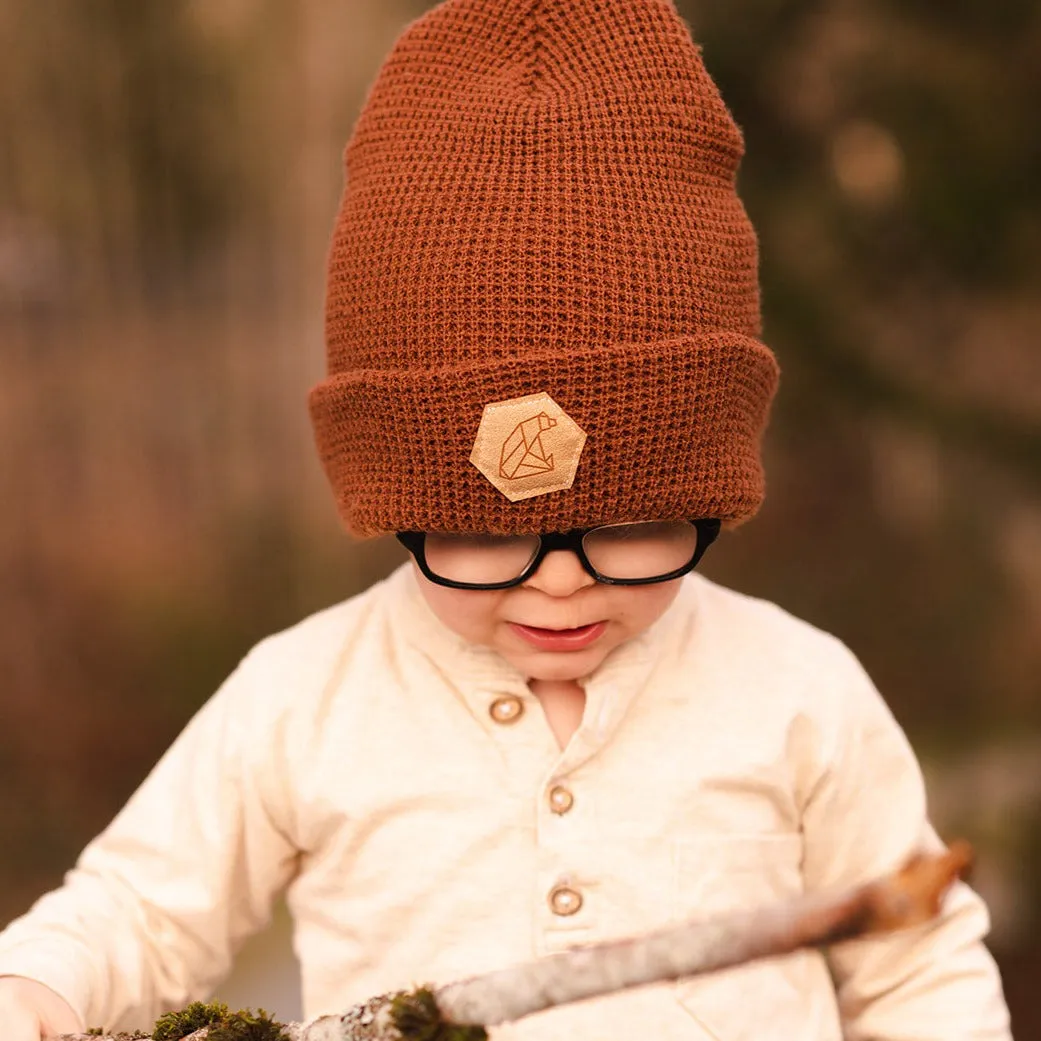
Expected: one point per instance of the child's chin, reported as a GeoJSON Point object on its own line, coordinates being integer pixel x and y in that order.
{"type": "Point", "coordinates": [562, 665]}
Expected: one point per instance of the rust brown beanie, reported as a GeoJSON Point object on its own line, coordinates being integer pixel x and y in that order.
{"type": "Point", "coordinates": [543, 306]}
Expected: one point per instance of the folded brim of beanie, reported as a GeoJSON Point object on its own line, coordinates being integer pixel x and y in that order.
{"type": "Point", "coordinates": [673, 431]}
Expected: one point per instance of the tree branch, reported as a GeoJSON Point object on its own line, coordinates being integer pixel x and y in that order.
{"type": "Point", "coordinates": [459, 1011]}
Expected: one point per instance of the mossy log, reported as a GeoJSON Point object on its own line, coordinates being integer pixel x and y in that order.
{"type": "Point", "coordinates": [464, 1010]}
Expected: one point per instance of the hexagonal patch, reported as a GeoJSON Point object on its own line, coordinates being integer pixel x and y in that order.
{"type": "Point", "coordinates": [528, 446]}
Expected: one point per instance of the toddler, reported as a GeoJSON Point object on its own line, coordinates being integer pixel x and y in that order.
{"type": "Point", "coordinates": [545, 376]}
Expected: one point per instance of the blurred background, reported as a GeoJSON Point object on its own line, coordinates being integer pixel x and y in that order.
{"type": "Point", "coordinates": [168, 177]}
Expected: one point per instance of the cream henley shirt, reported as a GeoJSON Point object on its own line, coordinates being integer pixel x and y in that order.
{"type": "Point", "coordinates": [406, 790]}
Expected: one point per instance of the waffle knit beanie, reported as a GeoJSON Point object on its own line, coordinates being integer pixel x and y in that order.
{"type": "Point", "coordinates": [543, 305]}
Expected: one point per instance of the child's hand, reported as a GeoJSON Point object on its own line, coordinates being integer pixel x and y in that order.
{"type": "Point", "coordinates": [30, 1011]}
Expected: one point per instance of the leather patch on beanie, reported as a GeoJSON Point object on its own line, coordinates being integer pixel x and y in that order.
{"type": "Point", "coordinates": [528, 446]}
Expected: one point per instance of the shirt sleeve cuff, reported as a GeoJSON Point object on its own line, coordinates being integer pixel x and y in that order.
{"type": "Point", "coordinates": [52, 969]}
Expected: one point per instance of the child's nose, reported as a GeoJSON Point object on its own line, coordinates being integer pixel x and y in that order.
{"type": "Point", "coordinates": [560, 574]}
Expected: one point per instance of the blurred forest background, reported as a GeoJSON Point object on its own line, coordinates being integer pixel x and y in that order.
{"type": "Point", "coordinates": [169, 172]}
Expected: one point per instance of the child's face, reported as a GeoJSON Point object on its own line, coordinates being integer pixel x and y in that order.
{"type": "Point", "coordinates": [590, 618]}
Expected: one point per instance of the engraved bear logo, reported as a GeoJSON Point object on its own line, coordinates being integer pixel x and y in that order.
{"type": "Point", "coordinates": [523, 453]}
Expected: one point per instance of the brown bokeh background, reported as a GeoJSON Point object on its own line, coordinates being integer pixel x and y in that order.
{"type": "Point", "coordinates": [168, 177]}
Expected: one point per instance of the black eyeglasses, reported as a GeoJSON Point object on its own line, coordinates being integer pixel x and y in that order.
{"type": "Point", "coordinates": [634, 554]}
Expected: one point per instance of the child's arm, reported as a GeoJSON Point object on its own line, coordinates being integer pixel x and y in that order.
{"type": "Point", "coordinates": [864, 814]}
{"type": "Point", "coordinates": [150, 916]}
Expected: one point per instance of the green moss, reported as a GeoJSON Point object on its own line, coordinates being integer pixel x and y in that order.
{"type": "Point", "coordinates": [175, 1025]}
{"type": "Point", "coordinates": [245, 1026]}
{"type": "Point", "coordinates": [224, 1025]}
{"type": "Point", "coordinates": [417, 1018]}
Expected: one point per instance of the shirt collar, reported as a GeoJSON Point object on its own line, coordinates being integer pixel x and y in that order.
{"type": "Point", "coordinates": [477, 671]}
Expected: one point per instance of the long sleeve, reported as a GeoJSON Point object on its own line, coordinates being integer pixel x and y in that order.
{"type": "Point", "coordinates": [865, 814]}
{"type": "Point", "coordinates": [152, 913]}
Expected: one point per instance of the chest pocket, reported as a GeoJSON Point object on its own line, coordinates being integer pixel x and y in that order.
{"type": "Point", "coordinates": [759, 1002]}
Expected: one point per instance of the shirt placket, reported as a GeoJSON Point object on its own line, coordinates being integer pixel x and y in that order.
{"type": "Point", "coordinates": [551, 789]}
{"type": "Point", "coordinates": [567, 889]}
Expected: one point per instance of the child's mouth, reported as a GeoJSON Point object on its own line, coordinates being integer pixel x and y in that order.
{"type": "Point", "coordinates": [560, 639]}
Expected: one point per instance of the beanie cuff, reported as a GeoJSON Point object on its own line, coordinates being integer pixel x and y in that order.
{"type": "Point", "coordinates": [673, 431]}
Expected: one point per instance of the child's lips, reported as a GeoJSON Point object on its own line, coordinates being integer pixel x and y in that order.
{"type": "Point", "coordinates": [560, 639]}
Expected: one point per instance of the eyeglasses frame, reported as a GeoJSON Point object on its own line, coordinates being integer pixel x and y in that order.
{"type": "Point", "coordinates": [707, 529]}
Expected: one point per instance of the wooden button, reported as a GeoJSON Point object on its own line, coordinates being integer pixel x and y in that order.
{"type": "Point", "coordinates": [565, 901]}
{"type": "Point", "coordinates": [507, 709]}
{"type": "Point", "coordinates": [560, 799]}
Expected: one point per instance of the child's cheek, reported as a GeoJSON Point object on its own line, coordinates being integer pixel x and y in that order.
{"type": "Point", "coordinates": [637, 608]}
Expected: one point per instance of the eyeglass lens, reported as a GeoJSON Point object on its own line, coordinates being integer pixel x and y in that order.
{"type": "Point", "coordinates": [480, 559]}
{"type": "Point", "coordinates": [642, 550]}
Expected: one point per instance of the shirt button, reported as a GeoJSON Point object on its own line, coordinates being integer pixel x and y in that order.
{"type": "Point", "coordinates": [565, 901]}
{"type": "Point", "coordinates": [560, 799]}
{"type": "Point", "coordinates": [507, 709]}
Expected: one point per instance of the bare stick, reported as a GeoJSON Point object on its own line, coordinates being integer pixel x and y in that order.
{"type": "Point", "coordinates": [911, 896]}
